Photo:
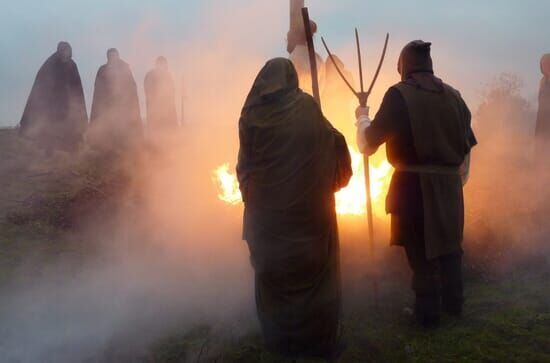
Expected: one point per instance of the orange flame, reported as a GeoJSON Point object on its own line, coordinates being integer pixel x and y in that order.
{"type": "Point", "coordinates": [228, 185]}
{"type": "Point", "coordinates": [350, 201]}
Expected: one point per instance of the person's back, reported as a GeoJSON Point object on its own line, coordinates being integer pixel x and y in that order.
{"type": "Point", "coordinates": [439, 123]}
{"type": "Point", "coordinates": [160, 97]}
{"type": "Point", "coordinates": [55, 115]}
{"type": "Point", "coordinates": [542, 132]}
{"type": "Point", "coordinates": [426, 126]}
{"type": "Point", "coordinates": [115, 94]}
{"type": "Point", "coordinates": [115, 111]}
{"type": "Point", "coordinates": [291, 161]}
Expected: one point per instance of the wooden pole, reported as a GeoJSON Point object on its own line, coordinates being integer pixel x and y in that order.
{"type": "Point", "coordinates": [312, 57]}
{"type": "Point", "coordinates": [370, 220]}
{"type": "Point", "coordinates": [363, 97]}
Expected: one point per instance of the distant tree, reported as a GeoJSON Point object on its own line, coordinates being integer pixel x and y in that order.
{"type": "Point", "coordinates": [505, 121]}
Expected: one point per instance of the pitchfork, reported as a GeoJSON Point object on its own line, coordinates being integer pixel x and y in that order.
{"type": "Point", "coordinates": [363, 97]}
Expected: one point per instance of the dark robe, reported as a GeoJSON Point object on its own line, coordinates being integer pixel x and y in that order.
{"type": "Point", "coordinates": [55, 115]}
{"type": "Point", "coordinates": [407, 121]}
{"type": "Point", "coordinates": [291, 161]}
{"type": "Point", "coordinates": [427, 127]}
{"type": "Point", "coordinates": [426, 206]}
{"type": "Point", "coordinates": [543, 122]}
{"type": "Point", "coordinates": [115, 115]}
{"type": "Point", "coordinates": [160, 96]}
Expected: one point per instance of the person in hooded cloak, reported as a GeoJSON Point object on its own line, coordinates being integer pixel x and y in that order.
{"type": "Point", "coordinates": [338, 101]}
{"type": "Point", "coordinates": [291, 161]}
{"type": "Point", "coordinates": [115, 112]}
{"type": "Point", "coordinates": [160, 97]}
{"type": "Point", "coordinates": [426, 126]}
{"type": "Point", "coordinates": [542, 132]}
{"type": "Point", "coordinates": [55, 115]}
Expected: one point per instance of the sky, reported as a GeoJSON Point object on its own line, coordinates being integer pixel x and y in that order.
{"type": "Point", "coordinates": [473, 40]}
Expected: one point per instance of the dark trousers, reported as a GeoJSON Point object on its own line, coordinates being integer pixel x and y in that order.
{"type": "Point", "coordinates": [435, 282]}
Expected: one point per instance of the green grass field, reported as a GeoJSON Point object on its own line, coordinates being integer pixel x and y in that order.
{"type": "Point", "coordinates": [507, 316]}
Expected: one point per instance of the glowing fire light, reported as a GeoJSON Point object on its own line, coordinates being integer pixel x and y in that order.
{"type": "Point", "coordinates": [350, 201]}
{"type": "Point", "coordinates": [228, 185]}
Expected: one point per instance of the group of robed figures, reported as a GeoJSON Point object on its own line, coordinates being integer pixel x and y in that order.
{"type": "Point", "coordinates": [55, 115]}
{"type": "Point", "coordinates": [291, 162]}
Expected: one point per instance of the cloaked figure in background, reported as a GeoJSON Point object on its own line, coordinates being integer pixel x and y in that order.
{"type": "Point", "coordinates": [160, 96]}
{"type": "Point", "coordinates": [55, 115]}
{"type": "Point", "coordinates": [338, 102]}
{"type": "Point", "coordinates": [426, 126]}
{"type": "Point", "coordinates": [115, 116]}
{"type": "Point", "coordinates": [542, 132]}
{"type": "Point", "coordinates": [291, 162]}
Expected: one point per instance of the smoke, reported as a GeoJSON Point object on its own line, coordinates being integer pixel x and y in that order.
{"type": "Point", "coordinates": [172, 257]}
{"type": "Point", "coordinates": [507, 199]}
{"type": "Point", "coordinates": [167, 259]}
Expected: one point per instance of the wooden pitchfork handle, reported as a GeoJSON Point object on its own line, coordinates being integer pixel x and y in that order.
{"type": "Point", "coordinates": [363, 97]}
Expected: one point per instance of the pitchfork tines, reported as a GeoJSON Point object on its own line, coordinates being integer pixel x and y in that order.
{"type": "Point", "coordinates": [361, 95]}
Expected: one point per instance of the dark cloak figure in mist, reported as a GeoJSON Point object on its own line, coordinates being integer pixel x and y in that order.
{"type": "Point", "coordinates": [291, 161]}
{"type": "Point", "coordinates": [426, 126]}
{"type": "Point", "coordinates": [543, 117]}
{"type": "Point", "coordinates": [55, 115]}
{"type": "Point", "coordinates": [160, 97]}
{"type": "Point", "coordinates": [115, 116]}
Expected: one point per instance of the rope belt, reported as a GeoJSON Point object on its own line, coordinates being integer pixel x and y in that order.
{"type": "Point", "coordinates": [429, 169]}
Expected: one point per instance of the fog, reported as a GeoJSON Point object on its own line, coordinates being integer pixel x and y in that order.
{"type": "Point", "coordinates": [473, 41]}
{"type": "Point", "coordinates": [171, 256]}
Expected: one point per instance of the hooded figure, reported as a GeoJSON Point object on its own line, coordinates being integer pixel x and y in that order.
{"type": "Point", "coordinates": [338, 101]}
{"type": "Point", "coordinates": [291, 161]}
{"type": "Point", "coordinates": [55, 115]}
{"type": "Point", "coordinates": [160, 97]}
{"type": "Point", "coordinates": [425, 124]}
{"type": "Point", "coordinates": [543, 117]}
{"type": "Point", "coordinates": [115, 112]}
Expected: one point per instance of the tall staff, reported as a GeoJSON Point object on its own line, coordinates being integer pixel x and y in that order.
{"type": "Point", "coordinates": [312, 57]}
{"type": "Point", "coordinates": [363, 97]}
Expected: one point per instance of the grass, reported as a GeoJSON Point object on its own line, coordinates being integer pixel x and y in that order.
{"type": "Point", "coordinates": [507, 318]}
{"type": "Point", "coordinates": [504, 321]}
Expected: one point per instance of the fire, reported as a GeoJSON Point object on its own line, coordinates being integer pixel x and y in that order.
{"type": "Point", "coordinates": [350, 201]}
{"type": "Point", "coordinates": [228, 184]}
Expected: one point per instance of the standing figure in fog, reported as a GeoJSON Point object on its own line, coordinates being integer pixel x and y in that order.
{"type": "Point", "coordinates": [160, 96]}
{"type": "Point", "coordinates": [55, 115]}
{"type": "Point", "coordinates": [543, 117]}
{"type": "Point", "coordinates": [115, 115]}
{"type": "Point", "coordinates": [425, 124]}
{"type": "Point", "coordinates": [291, 161]}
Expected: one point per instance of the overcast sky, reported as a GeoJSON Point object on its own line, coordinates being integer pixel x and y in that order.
{"type": "Point", "coordinates": [474, 40]}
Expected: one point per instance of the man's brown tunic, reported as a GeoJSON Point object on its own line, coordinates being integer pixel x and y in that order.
{"type": "Point", "coordinates": [428, 135]}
